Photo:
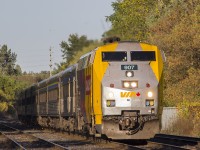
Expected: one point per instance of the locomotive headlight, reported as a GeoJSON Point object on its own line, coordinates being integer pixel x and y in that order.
{"type": "Point", "coordinates": [126, 84]}
{"type": "Point", "coordinates": [134, 84]}
{"type": "Point", "coordinates": [129, 73]}
{"type": "Point", "coordinates": [150, 94]}
{"type": "Point", "coordinates": [130, 84]}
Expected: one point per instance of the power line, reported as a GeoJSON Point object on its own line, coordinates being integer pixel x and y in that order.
{"type": "Point", "coordinates": [34, 65]}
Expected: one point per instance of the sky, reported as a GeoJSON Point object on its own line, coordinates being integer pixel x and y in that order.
{"type": "Point", "coordinates": [30, 27]}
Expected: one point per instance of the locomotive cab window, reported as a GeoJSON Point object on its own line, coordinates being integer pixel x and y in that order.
{"type": "Point", "coordinates": [143, 56]}
{"type": "Point", "coordinates": [114, 56]}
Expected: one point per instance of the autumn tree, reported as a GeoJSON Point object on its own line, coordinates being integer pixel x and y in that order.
{"type": "Point", "coordinates": [129, 19]}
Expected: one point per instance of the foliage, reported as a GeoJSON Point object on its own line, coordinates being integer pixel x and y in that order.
{"type": "Point", "coordinates": [186, 89]}
{"type": "Point", "coordinates": [18, 70]}
{"type": "Point", "coordinates": [70, 48]}
{"type": "Point", "coordinates": [129, 19]}
{"type": "Point", "coordinates": [84, 50]}
{"type": "Point", "coordinates": [7, 62]}
{"type": "Point", "coordinates": [179, 27]}
{"type": "Point", "coordinates": [3, 106]}
{"type": "Point", "coordinates": [186, 107]}
{"type": "Point", "coordinates": [173, 26]}
{"type": "Point", "coordinates": [188, 121]}
{"type": "Point", "coordinates": [31, 78]}
{"type": "Point", "coordinates": [9, 87]}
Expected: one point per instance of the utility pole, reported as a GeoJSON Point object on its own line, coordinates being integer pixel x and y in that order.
{"type": "Point", "coordinates": [50, 64]}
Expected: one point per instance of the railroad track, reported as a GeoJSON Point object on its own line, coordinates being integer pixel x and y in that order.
{"type": "Point", "coordinates": [175, 142]}
{"type": "Point", "coordinates": [166, 142]}
{"type": "Point", "coordinates": [24, 140]}
{"type": "Point", "coordinates": [7, 143]}
{"type": "Point", "coordinates": [45, 139]}
{"type": "Point", "coordinates": [27, 138]}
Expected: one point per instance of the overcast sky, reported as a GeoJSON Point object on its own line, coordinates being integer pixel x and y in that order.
{"type": "Point", "coordinates": [30, 27]}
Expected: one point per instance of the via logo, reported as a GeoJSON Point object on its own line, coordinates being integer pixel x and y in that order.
{"type": "Point", "coordinates": [129, 94]}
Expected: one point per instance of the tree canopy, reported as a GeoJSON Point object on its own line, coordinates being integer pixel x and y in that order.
{"type": "Point", "coordinates": [7, 62]}
{"type": "Point", "coordinates": [174, 27]}
{"type": "Point", "coordinates": [129, 19]}
{"type": "Point", "coordinates": [74, 44]}
{"type": "Point", "coordinates": [8, 85]}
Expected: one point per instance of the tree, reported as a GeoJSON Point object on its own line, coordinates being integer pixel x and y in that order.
{"type": "Point", "coordinates": [9, 87]}
{"type": "Point", "coordinates": [174, 27]}
{"type": "Point", "coordinates": [7, 61]}
{"type": "Point", "coordinates": [18, 70]}
{"type": "Point", "coordinates": [70, 48]}
{"type": "Point", "coordinates": [129, 19]}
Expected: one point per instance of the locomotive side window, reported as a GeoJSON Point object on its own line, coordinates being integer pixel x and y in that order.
{"type": "Point", "coordinates": [114, 56]}
{"type": "Point", "coordinates": [143, 56]}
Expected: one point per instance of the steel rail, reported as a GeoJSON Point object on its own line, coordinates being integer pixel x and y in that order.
{"type": "Point", "coordinates": [178, 142]}
{"type": "Point", "coordinates": [21, 147]}
{"type": "Point", "coordinates": [130, 146]}
{"type": "Point", "coordinates": [169, 146]}
{"type": "Point", "coordinates": [180, 138]}
{"type": "Point", "coordinates": [55, 144]}
{"type": "Point", "coordinates": [60, 146]}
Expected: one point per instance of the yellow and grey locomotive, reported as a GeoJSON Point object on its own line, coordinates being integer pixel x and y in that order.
{"type": "Point", "coordinates": [114, 90]}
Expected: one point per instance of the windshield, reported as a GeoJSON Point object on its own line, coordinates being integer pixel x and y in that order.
{"type": "Point", "coordinates": [114, 56]}
{"type": "Point", "coordinates": [143, 56]}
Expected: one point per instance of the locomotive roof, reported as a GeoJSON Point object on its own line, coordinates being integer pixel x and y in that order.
{"type": "Point", "coordinates": [112, 43]}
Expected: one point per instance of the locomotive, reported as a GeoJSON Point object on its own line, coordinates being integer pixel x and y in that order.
{"type": "Point", "coordinates": [113, 91]}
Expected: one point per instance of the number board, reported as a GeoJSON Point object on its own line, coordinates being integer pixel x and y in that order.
{"type": "Point", "coordinates": [129, 67]}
